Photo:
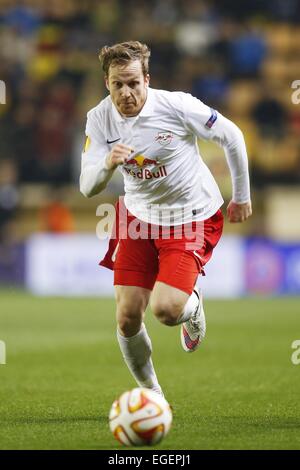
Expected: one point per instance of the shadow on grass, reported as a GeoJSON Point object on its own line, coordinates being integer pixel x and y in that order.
{"type": "Point", "coordinates": [274, 422]}
{"type": "Point", "coordinates": [57, 420]}
{"type": "Point", "coordinates": [261, 422]}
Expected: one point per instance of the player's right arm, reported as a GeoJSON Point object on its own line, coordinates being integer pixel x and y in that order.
{"type": "Point", "coordinates": [98, 162]}
{"type": "Point", "coordinates": [208, 124]}
{"type": "Point", "coordinates": [119, 155]}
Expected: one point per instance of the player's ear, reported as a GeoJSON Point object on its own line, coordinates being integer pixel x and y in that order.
{"type": "Point", "coordinates": [147, 79]}
{"type": "Point", "coordinates": [106, 82]}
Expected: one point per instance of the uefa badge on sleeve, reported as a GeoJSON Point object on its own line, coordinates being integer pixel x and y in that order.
{"type": "Point", "coordinates": [212, 119]}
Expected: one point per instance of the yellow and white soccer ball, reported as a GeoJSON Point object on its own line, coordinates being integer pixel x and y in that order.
{"type": "Point", "coordinates": [140, 417]}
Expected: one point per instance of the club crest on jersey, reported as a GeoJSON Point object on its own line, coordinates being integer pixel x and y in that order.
{"type": "Point", "coordinates": [164, 138]}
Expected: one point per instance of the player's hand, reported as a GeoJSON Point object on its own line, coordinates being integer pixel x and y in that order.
{"type": "Point", "coordinates": [118, 155]}
{"type": "Point", "coordinates": [238, 212]}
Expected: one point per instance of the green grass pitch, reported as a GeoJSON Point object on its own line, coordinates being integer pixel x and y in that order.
{"type": "Point", "coordinates": [240, 390]}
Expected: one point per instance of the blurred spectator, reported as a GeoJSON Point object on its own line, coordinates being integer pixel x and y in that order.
{"type": "Point", "coordinates": [49, 63]}
{"type": "Point", "coordinates": [22, 18]}
{"type": "Point", "coordinates": [197, 28]}
{"type": "Point", "coordinates": [9, 196]}
{"type": "Point", "coordinates": [55, 216]}
{"type": "Point", "coordinates": [247, 51]}
{"type": "Point", "coordinates": [243, 10]}
{"type": "Point", "coordinates": [22, 144]}
{"type": "Point", "coordinates": [270, 115]}
{"type": "Point", "coordinates": [285, 10]}
{"type": "Point", "coordinates": [11, 252]}
{"type": "Point", "coordinates": [165, 12]}
{"type": "Point", "coordinates": [213, 86]}
{"type": "Point", "coordinates": [53, 133]}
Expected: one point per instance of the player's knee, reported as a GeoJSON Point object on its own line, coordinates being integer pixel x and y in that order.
{"type": "Point", "coordinates": [129, 319]}
{"type": "Point", "coordinates": [128, 325]}
{"type": "Point", "coordinates": [166, 312]}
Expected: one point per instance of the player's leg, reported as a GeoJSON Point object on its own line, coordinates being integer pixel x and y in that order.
{"type": "Point", "coordinates": [135, 265]}
{"type": "Point", "coordinates": [175, 299]}
{"type": "Point", "coordinates": [131, 305]}
{"type": "Point", "coordinates": [180, 308]}
{"type": "Point", "coordinates": [132, 335]}
{"type": "Point", "coordinates": [171, 305]}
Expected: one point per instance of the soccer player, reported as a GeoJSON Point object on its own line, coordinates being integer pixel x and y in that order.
{"type": "Point", "coordinates": [151, 137]}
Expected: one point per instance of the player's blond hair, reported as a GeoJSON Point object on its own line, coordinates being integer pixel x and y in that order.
{"type": "Point", "coordinates": [122, 53]}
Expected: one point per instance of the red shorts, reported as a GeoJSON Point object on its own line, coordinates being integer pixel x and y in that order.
{"type": "Point", "coordinates": [174, 255]}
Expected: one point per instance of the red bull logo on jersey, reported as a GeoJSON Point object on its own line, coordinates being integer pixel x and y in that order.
{"type": "Point", "coordinates": [139, 161]}
{"type": "Point", "coordinates": [146, 174]}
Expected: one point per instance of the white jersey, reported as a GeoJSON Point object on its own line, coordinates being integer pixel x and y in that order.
{"type": "Point", "coordinates": [166, 180]}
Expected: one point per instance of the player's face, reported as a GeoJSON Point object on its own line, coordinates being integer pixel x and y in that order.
{"type": "Point", "coordinates": [128, 87]}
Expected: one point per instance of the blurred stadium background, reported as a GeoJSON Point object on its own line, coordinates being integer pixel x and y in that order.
{"type": "Point", "coordinates": [239, 58]}
{"type": "Point", "coordinates": [64, 367]}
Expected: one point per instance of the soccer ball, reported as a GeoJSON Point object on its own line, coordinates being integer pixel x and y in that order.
{"type": "Point", "coordinates": [140, 417]}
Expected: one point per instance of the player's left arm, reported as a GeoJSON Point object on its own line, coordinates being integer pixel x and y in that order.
{"type": "Point", "coordinates": [208, 124]}
{"type": "Point", "coordinates": [231, 138]}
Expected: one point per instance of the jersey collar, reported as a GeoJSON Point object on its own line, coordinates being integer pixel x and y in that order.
{"type": "Point", "coordinates": [147, 109]}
